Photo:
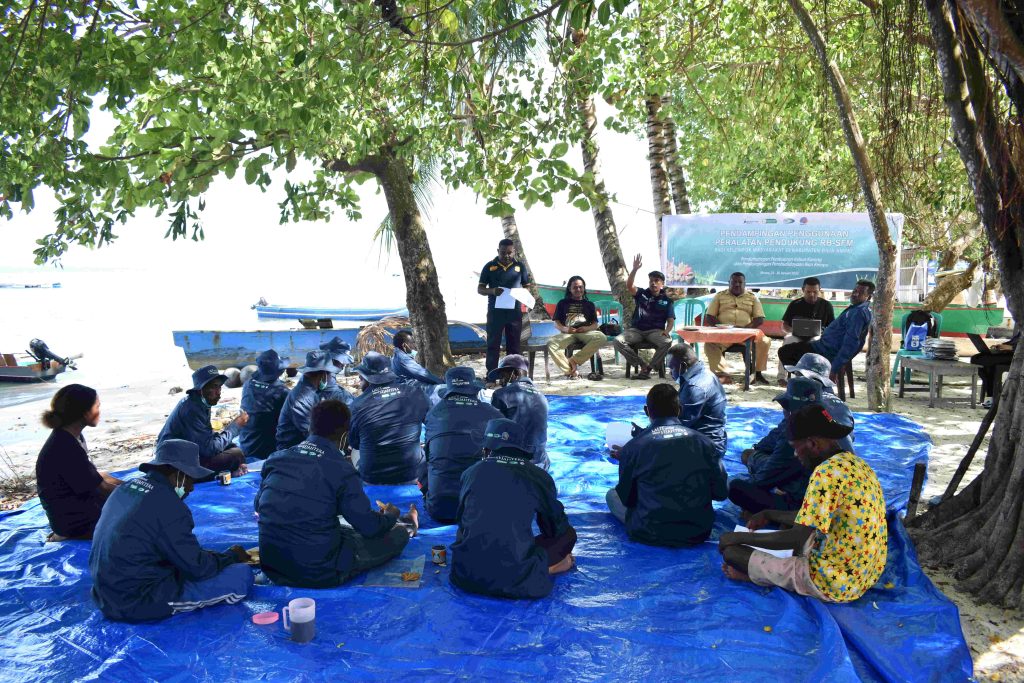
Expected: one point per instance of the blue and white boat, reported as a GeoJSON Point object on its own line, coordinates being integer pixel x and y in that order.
{"type": "Point", "coordinates": [266, 311]}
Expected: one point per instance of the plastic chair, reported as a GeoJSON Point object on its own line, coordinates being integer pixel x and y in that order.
{"type": "Point", "coordinates": [935, 332]}
{"type": "Point", "coordinates": [687, 311]}
{"type": "Point", "coordinates": [610, 309]}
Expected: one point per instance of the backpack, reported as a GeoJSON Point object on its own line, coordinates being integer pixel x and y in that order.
{"type": "Point", "coordinates": [914, 339]}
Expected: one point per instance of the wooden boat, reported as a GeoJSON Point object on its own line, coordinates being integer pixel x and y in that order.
{"type": "Point", "coordinates": [266, 311]}
{"type": "Point", "coordinates": [21, 367]}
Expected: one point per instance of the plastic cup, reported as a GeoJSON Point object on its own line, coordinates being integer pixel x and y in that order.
{"type": "Point", "coordinates": [618, 433]}
{"type": "Point", "coordinates": [300, 619]}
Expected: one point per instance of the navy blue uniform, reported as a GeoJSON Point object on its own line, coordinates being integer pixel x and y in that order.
{"type": "Point", "coordinates": [495, 552]}
{"type": "Point", "coordinates": [190, 420]}
{"type": "Point", "coordinates": [407, 369]}
{"type": "Point", "coordinates": [668, 476]}
{"type": "Point", "coordinates": [703, 402]}
{"type": "Point", "coordinates": [455, 435]}
{"type": "Point", "coordinates": [335, 392]}
{"type": "Point", "coordinates": [293, 425]}
{"type": "Point", "coordinates": [844, 338]}
{"type": "Point", "coordinates": [522, 403]}
{"type": "Point", "coordinates": [262, 401]}
{"type": "Point", "coordinates": [507, 321]}
{"type": "Point", "coordinates": [651, 312]}
{"type": "Point", "coordinates": [386, 424]}
{"type": "Point", "coordinates": [68, 485]}
{"type": "Point", "coordinates": [144, 551]}
{"type": "Point", "coordinates": [304, 489]}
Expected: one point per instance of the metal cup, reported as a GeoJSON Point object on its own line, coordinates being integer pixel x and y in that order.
{"type": "Point", "coordinates": [439, 554]}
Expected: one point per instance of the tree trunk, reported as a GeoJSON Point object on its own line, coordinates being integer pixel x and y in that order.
{"type": "Point", "coordinates": [989, 295]}
{"type": "Point", "coordinates": [675, 169]}
{"type": "Point", "coordinates": [980, 531]}
{"type": "Point", "coordinates": [885, 287]}
{"type": "Point", "coordinates": [948, 287]}
{"type": "Point", "coordinates": [511, 230]}
{"type": "Point", "coordinates": [659, 172]}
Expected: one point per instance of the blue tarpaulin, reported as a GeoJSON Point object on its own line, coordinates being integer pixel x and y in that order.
{"type": "Point", "coordinates": [628, 612]}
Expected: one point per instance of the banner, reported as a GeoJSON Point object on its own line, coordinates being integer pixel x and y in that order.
{"type": "Point", "coordinates": [772, 249]}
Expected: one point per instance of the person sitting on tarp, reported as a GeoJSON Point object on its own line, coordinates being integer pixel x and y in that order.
{"type": "Point", "coordinates": [776, 479]}
{"type": "Point", "coordinates": [71, 489]}
{"type": "Point", "coordinates": [263, 396]}
{"type": "Point", "coordinates": [454, 432]}
{"type": "Point", "coordinates": [386, 422]}
{"type": "Point", "coordinates": [668, 476]}
{"type": "Point", "coordinates": [146, 562]}
{"type": "Point", "coordinates": [702, 399]}
{"type": "Point", "coordinates": [843, 339]}
{"type": "Point", "coordinates": [740, 308]}
{"type": "Point", "coordinates": [190, 420]}
{"type": "Point", "coordinates": [495, 551]}
{"type": "Point", "coordinates": [576, 320]}
{"type": "Point", "coordinates": [293, 425]}
{"type": "Point", "coordinates": [521, 402]}
{"type": "Point", "coordinates": [839, 535]}
{"type": "Point", "coordinates": [405, 367]}
{"type": "Point", "coordinates": [340, 352]}
{"type": "Point", "coordinates": [653, 319]}
{"type": "Point", "coordinates": [304, 490]}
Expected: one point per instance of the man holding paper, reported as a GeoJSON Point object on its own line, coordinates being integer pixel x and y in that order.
{"type": "Point", "coordinates": [498, 278]}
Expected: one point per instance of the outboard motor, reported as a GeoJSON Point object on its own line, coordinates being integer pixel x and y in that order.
{"type": "Point", "coordinates": [42, 353]}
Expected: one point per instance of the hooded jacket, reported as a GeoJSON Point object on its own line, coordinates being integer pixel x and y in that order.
{"type": "Point", "coordinates": [190, 420]}
{"type": "Point", "coordinates": [386, 424]}
{"type": "Point", "coordinates": [522, 403]}
{"type": "Point", "coordinates": [293, 425]}
{"type": "Point", "coordinates": [262, 400]}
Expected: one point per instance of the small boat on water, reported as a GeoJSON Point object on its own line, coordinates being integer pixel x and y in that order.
{"type": "Point", "coordinates": [37, 365]}
{"type": "Point", "coordinates": [265, 311]}
{"type": "Point", "coordinates": [17, 285]}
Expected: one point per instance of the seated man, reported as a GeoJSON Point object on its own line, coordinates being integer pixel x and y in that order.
{"type": "Point", "coordinates": [810, 306]}
{"type": "Point", "coordinates": [839, 535]}
{"type": "Point", "coordinates": [263, 396]}
{"type": "Point", "coordinates": [702, 399]}
{"type": "Point", "coordinates": [777, 480]}
{"type": "Point", "coordinates": [454, 432]}
{"type": "Point", "coordinates": [293, 425]}
{"type": "Point", "coordinates": [386, 422]}
{"type": "Point", "coordinates": [145, 562]}
{"type": "Point", "coordinates": [495, 551]}
{"type": "Point", "coordinates": [521, 402]}
{"type": "Point", "coordinates": [739, 308]}
{"type": "Point", "coordinates": [997, 360]}
{"type": "Point", "coordinates": [405, 367]}
{"type": "Point", "coordinates": [668, 476]}
{"type": "Point", "coordinates": [653, 320]}
{"type": "Point", "coordinates": [576, 320]}
{"type": "Point", "coordinates": [843, 339]}
{"type": "Point", "coordinates": [190, 420]}
{"type": "Point", "coordinates": [339, 351]}
{"type": "Point", "coordinates": [304, 490]}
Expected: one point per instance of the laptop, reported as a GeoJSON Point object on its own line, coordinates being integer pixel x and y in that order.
{"type": "Point", "coordinates": [806, 327]}
{"type": "Point", "coordinates": [979, 343]}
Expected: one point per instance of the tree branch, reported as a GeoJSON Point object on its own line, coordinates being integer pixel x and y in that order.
{"type": "Point", "coordinates": [492, 34]}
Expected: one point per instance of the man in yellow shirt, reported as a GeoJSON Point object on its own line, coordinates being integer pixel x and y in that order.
{"type": "Point", "coordinates": [739, 308]}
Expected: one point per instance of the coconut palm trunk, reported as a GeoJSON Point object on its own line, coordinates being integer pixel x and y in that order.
{"type": "Point", "coordinates": [511, 230]}
{"type": "Point", "coordinates": [680, 197]}
{"type": "Point", "coordinates": [660, 191]}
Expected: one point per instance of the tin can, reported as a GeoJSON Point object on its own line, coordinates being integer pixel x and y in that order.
{"type": "Point", "coordinates": [224, 478]}
{"type": "Point", "coordinates": [439, 554]}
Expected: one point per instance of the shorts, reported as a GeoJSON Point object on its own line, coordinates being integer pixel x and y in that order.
{"type": "Point", "coordinates": [790, 573]}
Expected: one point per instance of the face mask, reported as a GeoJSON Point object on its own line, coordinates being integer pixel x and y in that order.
{"type": "Point", "coordinates": [180, 490]}
{"type": "Point", "coordinates": [412, 354]}
{"type": "Point", "coordinates": [205, 402]}
{"type": "Point", "coordinates": [322, 385]}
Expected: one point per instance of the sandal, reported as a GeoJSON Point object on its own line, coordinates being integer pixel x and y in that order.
{"type": "Point", "coordinates": [594, 377]}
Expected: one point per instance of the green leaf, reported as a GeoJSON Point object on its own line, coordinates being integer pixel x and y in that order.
{"type": "Point", "coordinates": [560, 149]}
{"type": "Point", "coordinates": [299, 58]}
{"type": "Point", "coordinates": [604, 12]}
{"type": "Point", "coordinates": [582, 204]}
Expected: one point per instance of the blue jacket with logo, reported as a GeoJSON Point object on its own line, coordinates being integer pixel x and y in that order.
{"type": "Point", "coordinates": [651, 312]}
{"type": "Point", "coordinates": [263, 401]}
{"type": "Point", "coordinates": [335, 392]}
{"type": "Point", "coordinates": [844, 338]}
{"type": "Point", "coordinates": [304, 489]}
{"type": "Point", "coordinates": [143, 550]}
{"type": "Point", "coordinates": [386, 424]}
{"type": "Point", "coordinates": [293, 425]}
{"type": "Point", "coordinates": [190, 420]}
{"type": "Point", "coordinates": [522, 403]}
{"type": "Point", "coordinates": [494, 551]}
{"type": "Point", "coordinates": [407, 369]}
{"type": "Point", "coordinates": [668, 476]}
{"type": "Point", "coordinates": [454, 432]}
{"type": "Point", "coordinates": [703, 402]}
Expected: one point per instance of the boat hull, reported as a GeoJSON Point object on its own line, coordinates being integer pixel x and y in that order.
{"type": "Point", "coordinates": [346, 314]}
{"type": "Point", "coordinates": [23, 374]}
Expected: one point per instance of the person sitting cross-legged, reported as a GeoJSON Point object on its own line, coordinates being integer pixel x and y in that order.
{"type": "Point", "coordinates": [495, 551]}
{"type": "Point", "coordinates": [405, 367]}
{"type": "Point", "coordinates": [702, 399]}
{"type": "Point", "coordinates": [653, 320]}
{"type": "Point", "coordinates": [668, 476]}
{"type": "Point", "coordinates": [576, 320]}
{"type": "Point", "coordinates": [521, 402]}
{"type": "Point", "coordinates": [838, 536]}
{"type": "Point", "coordinates": [146, 563]}
{"type": "Point", "coordinates": [293, 424]}
{"type": "Point", "coordinates": [340, 352]}
{"type": "Point", "coordinates": [263, 396]}
{"type": "Point", "coordinates": [304, 490]}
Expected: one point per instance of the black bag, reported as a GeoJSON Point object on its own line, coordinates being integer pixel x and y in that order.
{"type": "Point", "coordinates": [611, 329]}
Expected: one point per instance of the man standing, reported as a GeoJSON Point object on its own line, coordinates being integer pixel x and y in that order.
{"type": "Point", "coordinates": [190, 420]}
{"type": "Point", "coordinates": [497, 278]}
{"type": "Point", "coordinates": [576, 319]}
{"type": "Point", "coordinates": [262, 398]}
{"type": "Point", "coordinates": [843, 339]}
{"type": "Point", "coordinates": [293, 425]}
{"type": "Point", "coordinates": [653, 320]}
{"type": "Point", "coordinates": [702, 399]}
{"type": "Point", "coordinates": [810, 306]}
{"type": "Point", "coordinates": [739, 308]}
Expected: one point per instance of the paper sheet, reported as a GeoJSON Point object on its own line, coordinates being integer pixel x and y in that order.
{"type": "Point", "coordinates": [505, 299]}
{"type": "Point", "coordinates": [777, 553]}
{"type": "Point", "coordinates": [523, 296]}
{"type": "Point", "coordinates": [390, 574]}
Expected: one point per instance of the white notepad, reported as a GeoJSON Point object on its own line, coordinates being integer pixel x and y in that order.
{"type": "Point", "coordinates": [777, 553]}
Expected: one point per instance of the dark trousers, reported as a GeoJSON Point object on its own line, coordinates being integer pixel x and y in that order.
{"type": "Point", "coordinates": [509, 323]}
{"type": "Point", "coordinates": [373, 552]}
{"type": "Point", "coordinates": [790, 354]}
{"type": "Point", "coordinates": [754, 498]}
{"type": "Point", "coordinates": [558, 547]}
{"type": "Point", "coordinates": [988, 365]}
{"type": "Point", "coordinates": [228, 460]}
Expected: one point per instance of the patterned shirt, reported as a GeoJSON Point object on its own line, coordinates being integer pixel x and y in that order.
{"type": "Point", "coordinates": [845, 504]}
{"type": "Point", "coordinates": [736, 310]}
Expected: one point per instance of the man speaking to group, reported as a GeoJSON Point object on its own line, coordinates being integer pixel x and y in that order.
{"type": "Point", "coordinates": [498, 278]}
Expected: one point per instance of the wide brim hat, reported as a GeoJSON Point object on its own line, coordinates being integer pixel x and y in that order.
{"type": "Point", "coordinates": [265, 371]}
{"type": "Point", "coordinates": [205, 375]}
{"type": "Point", "coordinates": [376, 369]}
{"type": "Point", "coordinates": [800, 391]}
{"type": "Point", "coordinates": [318, 361]}
{"type": "Point", "coordinates": [181, 455]}
{"type": "Point", "coordinates": [504, 433]}
{"type": "Point", "coordinates": [815, 366]}
{"type": "Point", "coordinates": [460, 380]}
{"type": "Point", "coordinates": [338, 350]}
{"type": "Point", "coordinates": [513, 360]}
{"type": "Point", "coordinates": [816, 421]}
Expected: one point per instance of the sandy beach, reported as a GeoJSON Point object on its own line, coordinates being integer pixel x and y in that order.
{"type": "Point", "coordinates": [134, 413]}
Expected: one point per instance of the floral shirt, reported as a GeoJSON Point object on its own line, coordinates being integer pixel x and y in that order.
{"type": "Point", "coordinates": [845, 504]}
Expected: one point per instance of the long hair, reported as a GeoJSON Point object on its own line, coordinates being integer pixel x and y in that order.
{"type": "Point", "coordinates": [568, 286]}
{"type": "Point", "coordinates": [69, 404]}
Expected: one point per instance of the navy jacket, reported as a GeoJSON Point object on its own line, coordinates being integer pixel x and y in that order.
{"type": "Point", "coordinates": [407, 369]}
{"type": "Point", "coordinates": [335, 392]}
{"type": "Point", "coordinates": [844, 338]}
{"type": "Point", "coordinates": [190, 420]}
{"type": "Point", "coordinates": [494, 551]}
{"type": "Point", "coordinates": [263, 401]}
{"type": "Point", "coordinates": [702, 402]}
{"type": "Point", "coordinates": [668, 476]}
{"type": "Point", "coordinates": [455, 436]}
{"type": "Point", "coordinates": [386, 423]}
{"type": "Point", "coordinates": [68, 485]}
{"type": "Point", "coordinates": [522, 403]}
{"type": "Point", "coordinates": [293, 425]}
{"type": "Point", "coordinates": [143, 550]}
{"type": "Point", "coordinates": [303, 491]}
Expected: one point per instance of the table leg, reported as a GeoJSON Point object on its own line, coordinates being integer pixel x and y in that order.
{"type": "Point", "coordinates": [931, 388]}
{"type": "Point", "coordinates": [533, 358]}
{"type": "Point", "coordinates": [974, 389]}
{"type": "Point", "coordinates": [938, 391]}
{"type": "Point", "coordinates": [903, 382]}
{"type": "Point", "coordinates": [746, 366]}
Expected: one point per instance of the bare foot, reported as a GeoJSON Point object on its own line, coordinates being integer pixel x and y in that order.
{"type": "Point", "coordinates": [567, 563]}
{"type": "Point", "coordinates": [733, 573]}
{"type": "Point", "coordinates": [54, 537]}
{"type": "Point", "coordinates": [411, 520]}
{"type": "Point", "coordinates": [726, 379]}
{"type": "Point", "coordinates": [242, 469]}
